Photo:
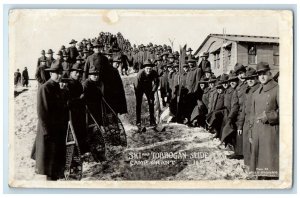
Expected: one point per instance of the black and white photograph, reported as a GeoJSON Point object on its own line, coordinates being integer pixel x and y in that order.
{"type": "Point", "coordinates": [150, 98]}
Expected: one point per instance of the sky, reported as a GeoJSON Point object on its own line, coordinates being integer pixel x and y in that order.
{"type": "Point", "coordinates": [30, 31]}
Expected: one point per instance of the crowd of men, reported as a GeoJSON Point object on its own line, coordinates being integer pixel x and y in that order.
{"type": "Point", "coordinates": [241, 108]}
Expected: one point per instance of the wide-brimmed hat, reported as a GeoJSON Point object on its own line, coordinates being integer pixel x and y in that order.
{"type": "Point", "coordinates": [239, 67]}
{"type": "Point", "coordinates": [62, 47]}
{"type": "Point", "coordinates": [55, 66]}
{"type": "Point", "coordinates": [76, 67]}
{"type": "Point", "coordinates": [148, 63]}
{"type": "Point", "coordinates": [224, 78]}
{"type": "Point", "coordinates": [212, 79]}
{"type": "Point", "coordinates": [250, 73]}
{"type": "Point", "coordinates": [72, 41]}
{"type": "Point", "coordinates": [205, 54]}
{"type": "Point", "coordinates": [203, 80]}
{"type": "Point", "coordinates": [50, 51]}
{"type": "Point", "coordinates": [189, 50]}
{"type": "Point", "coordinates": [262, 67]}
{"type": "Point", "coordinates": [94, 70]}
{"type": "Point", "coordinates": [232, 77]}
{"type": "Point", "coordinates": [84, 39]}
{"type": "Point", "coordinates": [219, 85]}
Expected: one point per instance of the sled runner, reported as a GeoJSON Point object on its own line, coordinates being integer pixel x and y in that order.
{"type": "Point", "coordinates": [73, 167]}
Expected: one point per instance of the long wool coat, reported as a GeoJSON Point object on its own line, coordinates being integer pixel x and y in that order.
{"type": "Point", "coordinates": [247, 124]}
{"type": "Point", "coordinates": [49, 147]}
{"type": "Point", "coordinates": [265, 133]}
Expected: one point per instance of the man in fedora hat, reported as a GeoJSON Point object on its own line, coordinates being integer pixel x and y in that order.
{"type": "Point", "coordinates": [264, 160]}
{"type": "Point", "coordinates": [189, 55]}
{"type": "Point", "coordinates": [41, 58]}
{"type": "Point", "coordinates": [147, 82]}
{"type": "Point", "coordinates": [41, 75]}
{"type": "Point", "coordinates": [240, 71]}
{"type": "Point", "coordinates": [50, 58]}
{"type": "Point", "coordinates": [245, 119]}
{"type": "Point", "coordinates": [76, 106]}
{"type": "Point", "coordinates": [204, 64]}
{"type": "Point", "coordinates": [49, 146]}
{"type": "Point", "coordinates": [72, 51]}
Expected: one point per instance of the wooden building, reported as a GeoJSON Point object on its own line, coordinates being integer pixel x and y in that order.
{"type": "Point", "coordinates": [227, 50]}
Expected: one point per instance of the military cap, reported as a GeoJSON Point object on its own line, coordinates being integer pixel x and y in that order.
{"type": "Point", "coordinates": [219, 85]}
{"type": "Point", "coordinates": [203, 80]}
{"type": "Point", "coordinates": [239, 67]}
{"type": "Point", "coordinates": [232, 77]}
{"type": "Point", "coordinates": [207, 70]}
{"type": "Point", "coordinates": [76, 67]}
{"type": "Point", "coordinates": [94, 70]}
{"type": "Point", "coordinates": [189, 50]}
{"type": "Point", "coordinates": [59, 53]}
{"type": "Point", "coordinates": [43, 52]}
{"type": "Point", "coordinates": [212, 79]}
{"type": "Point", "coordinates": [205, 54]}
{"type": "Point", "coordinates": [55, 66]}
{"type": "Point", "coordinates": [250, 73]}
{"type": "Point", "coordinates": [191, 60]}
{"type": "Point", "coordinates": [148, 63]}
{"type": "Point", "coordinates": [224, 78]}
{"type": "Point", "coordinates": [262, 67]}
{"type": "Point", "coordinates": [72, 41]}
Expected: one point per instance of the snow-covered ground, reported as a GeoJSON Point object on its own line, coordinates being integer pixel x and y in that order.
{"type": "Point", "coordinates": [178, 153]}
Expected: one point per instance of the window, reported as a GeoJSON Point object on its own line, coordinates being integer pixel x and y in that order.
{"type": "Point", "coordinates": [276, 55]}
{"type": "Point", "coordinates": [217, 59]}
{"type": "Point", "coordinates": [251, 54]}
{"type": "Point", "coordinates": [228, 50]}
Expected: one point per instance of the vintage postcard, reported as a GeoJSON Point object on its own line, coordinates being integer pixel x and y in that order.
{"type": "Point", "coordinates": [164, 99]}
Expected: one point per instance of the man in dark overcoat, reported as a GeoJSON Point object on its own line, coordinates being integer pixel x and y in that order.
{"type": "Point", "coordinates": [25, 77]}
{"type": "Point", "coordinates": [245, 118]}
{"type": "Point", "coordinates": [50, 58]}
{"type": "Point", "coordinates": [41, 58]}
{"type": "Point", "coordinates": [265, 119]}
{"type": "Point", "coordinates": [147, 82]}
{"type": "Point", "coordinates": [49, 147]}
{"type": "Point", "coordinates": [76, 106]}
{"type": "Point", "coordinates": [72, 51]}
{"type": "Point", "coordinates": [41, 74]}
{"type": "Point", "coordinates": [204, 62]}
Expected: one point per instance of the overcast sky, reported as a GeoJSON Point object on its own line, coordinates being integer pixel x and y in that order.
{"type": "Point", "coordinates": [34, 30]}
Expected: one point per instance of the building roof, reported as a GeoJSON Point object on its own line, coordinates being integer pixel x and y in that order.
{"type": "Point", "coordinates": [241, 38]}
